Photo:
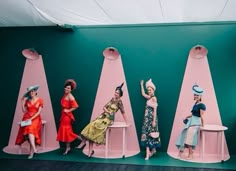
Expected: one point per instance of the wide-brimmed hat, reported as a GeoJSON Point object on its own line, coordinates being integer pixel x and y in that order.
{"type": "Point", "coordinates": [30, 53]}
{"type": "Point", "coordinates": [197, 90]}
{"type": "Point", "coordinates": [72, 83]}
{"type": "Point", "coordinates": [30, 88]}
{"type": "Point", "coordinates": [111, 53]}
{"type": "Point", "coordinates": [149, 83]}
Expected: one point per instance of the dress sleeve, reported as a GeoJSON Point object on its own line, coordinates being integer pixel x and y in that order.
{"type": "Point", "coordinates": [202, 106]}
{"type": "Point", "coordinates": [41, 102]}
{"type": "Point", "coordinates": [121, 107]}
{"type": "Point", "coordinates": [74, 104]}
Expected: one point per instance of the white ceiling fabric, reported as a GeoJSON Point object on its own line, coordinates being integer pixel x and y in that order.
{"type": "Point", "coordinates": [110, 12]}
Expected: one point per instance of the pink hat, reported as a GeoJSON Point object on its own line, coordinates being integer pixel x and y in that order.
{"type": "Point", "coordinates": [111, 53]}
{"type": "Point", "coordinates": [149, 83]}
{"type": "Point", "coordinates": [30, 53]}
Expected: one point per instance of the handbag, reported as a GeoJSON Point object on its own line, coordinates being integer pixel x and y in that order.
{"type": "Point", "coordinates": [25, 123]}
{"type": "Point", "coordinates": [185, 121]}
{"type": "Point", "coordinates": [154, 134]}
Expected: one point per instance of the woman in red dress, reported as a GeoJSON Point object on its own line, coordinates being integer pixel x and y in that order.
{"type": "Point", "coordinates": [30, 128]}
{"type": "Point", "coordinates": [65, 132]}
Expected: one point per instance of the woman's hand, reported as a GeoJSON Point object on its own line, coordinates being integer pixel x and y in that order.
{"type": "Point", "coordinates": [66, 110]}
{"type": "Point", "coordinates": [141, 82]}
{"type": "Point", "coordinates": [23, 99]}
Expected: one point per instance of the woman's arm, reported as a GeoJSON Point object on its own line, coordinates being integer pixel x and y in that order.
{"type": "Point", "coordinates": [142, 90]}
{"type": "Point", "coordinates": [202, 116]}
{"type": "Point", "coordinates": [154, 100]}
{"type": "Point", "coordinates": [23, 100]}
{"type": "Point", "coordinates": [74, 104]}
{"type": "Point", "coordinates": [105, 108]}
{"type": "Point", "coordinates": [125, 118]}
{"type": "Point", "coordinates": [36, 114]}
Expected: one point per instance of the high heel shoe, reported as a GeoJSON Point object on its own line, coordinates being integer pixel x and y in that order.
{"type": "Point", "coordinates": [67, 151]}
{"type": "Point", "coordinates": [91, 154]}
{"type": "Point", "coordinates": [31, 156]}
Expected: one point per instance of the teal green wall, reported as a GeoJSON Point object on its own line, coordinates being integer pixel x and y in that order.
{"type": "Point", "coordinates": [157, 51]}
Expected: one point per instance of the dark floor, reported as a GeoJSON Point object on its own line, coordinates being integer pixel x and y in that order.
{"type": "Point", "coordinates": [76, 160]}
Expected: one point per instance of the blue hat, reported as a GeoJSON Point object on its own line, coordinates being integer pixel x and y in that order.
{"type": "Point", "coordinates": [197, 90]}
{"type": "Point", "coordinates": [29, 89]}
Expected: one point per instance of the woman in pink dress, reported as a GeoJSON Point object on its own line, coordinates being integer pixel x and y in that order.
{"type": "Point", "coordinates": [30, 128]}
{"type": "Point", "coordinates": [65, 132]}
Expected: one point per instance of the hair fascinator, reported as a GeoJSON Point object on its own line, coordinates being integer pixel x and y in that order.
{"type": "Point", "coordinates": [149, 83]}
{"type": "Point", "coordinates": [119, 88]}
{"type": "Point", "coordinates": [197, 90]}
{"type": "Point", "coordinates": [71, 82]}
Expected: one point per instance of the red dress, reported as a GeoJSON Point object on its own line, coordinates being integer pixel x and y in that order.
{"type": "Point", "coordinates": [65, 131]}
{"type": "Point", "coordinates": [36, 125]}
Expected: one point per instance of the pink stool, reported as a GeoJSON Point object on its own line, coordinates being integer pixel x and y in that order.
{"type": "Point", "coordinates": [219, 130]}
{"type": "Point", "coordinates": [116, 125]}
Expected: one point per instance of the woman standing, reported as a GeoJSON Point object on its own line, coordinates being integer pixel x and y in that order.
{"type": "Point", "coordinates": [189, 135]}
{"type": "Point", "coordinates": [95, 131]}
{"type": "Point", "coordinates": [30, 128]}
{"type": "Point", "coordinates": [65, 132]}
{"type": "Point", "coordinates": [150, 138]}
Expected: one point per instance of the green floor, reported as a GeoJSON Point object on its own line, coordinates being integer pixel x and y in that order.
{"type": "Point", "coordinates": [162, 159]}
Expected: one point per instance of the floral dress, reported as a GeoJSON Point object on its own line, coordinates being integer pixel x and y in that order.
{"type": "Point", "coordinates": [95, 130]}
{"type": "Point", "coordinates": [146, 139]}
{"type": "Point", "coordinates": [36, 125]}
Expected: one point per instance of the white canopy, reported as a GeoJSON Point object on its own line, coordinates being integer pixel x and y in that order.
{"type": "Point", "coordinates": [110, 12]}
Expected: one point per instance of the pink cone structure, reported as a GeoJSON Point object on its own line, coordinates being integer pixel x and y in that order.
{"type": "Point", "coordinates": [112, 75]}
{"type": "Point", "coordinates": [34, 74]}
{"type": "Point", "coordinates": [197, 71]}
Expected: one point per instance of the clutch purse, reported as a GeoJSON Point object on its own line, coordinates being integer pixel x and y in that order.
{"type": "Point", "coordinates": [25, 123]}
{"type": "Point", "coordinates": [185, 121]}
{"type": "Point", "coordinates": [154, 134]}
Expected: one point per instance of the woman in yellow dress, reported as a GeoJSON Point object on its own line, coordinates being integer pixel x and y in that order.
{"type": "Point", "coordinates": [95, 131]}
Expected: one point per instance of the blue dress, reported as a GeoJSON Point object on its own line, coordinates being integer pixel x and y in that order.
{"type": "Point", "coordinates": [189, 134]}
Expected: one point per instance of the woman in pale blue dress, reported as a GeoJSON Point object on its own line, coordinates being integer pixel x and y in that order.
{"type": "Point", "coordinates": [189, 135]}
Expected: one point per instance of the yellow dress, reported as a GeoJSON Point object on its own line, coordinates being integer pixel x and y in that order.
{"type": "Point", "coordinates": [95, 130]}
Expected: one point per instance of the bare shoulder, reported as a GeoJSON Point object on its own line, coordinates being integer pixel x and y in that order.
{"type": "Point", "coordinates": [71, 97]}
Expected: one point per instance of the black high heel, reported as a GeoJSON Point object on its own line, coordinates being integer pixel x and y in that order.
{"type": "Point", "coordinates": [91, 154]}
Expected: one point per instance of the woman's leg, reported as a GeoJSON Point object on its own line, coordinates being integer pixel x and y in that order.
{"type": "Point", "coordinates": [32, 142]}
{"type": "Point", "coordinates": [91, 151]}
{"type": "Point", "coordinates": [31, 154]}
{"type": "Point", "coordinates": [147, 153]}
{"type": "Point", "coordinates": [82, 144]}
{"type": "Point", "coordinates": [67, 148]}
{"type": "Point", "coordinates": [190, 153]}
{"type": "Point", "coordinates": [153, 151]}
